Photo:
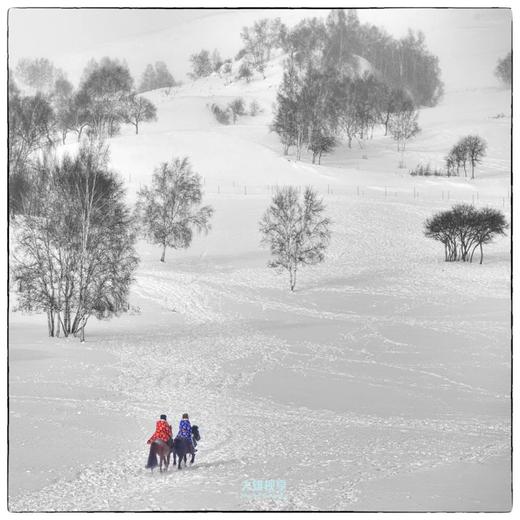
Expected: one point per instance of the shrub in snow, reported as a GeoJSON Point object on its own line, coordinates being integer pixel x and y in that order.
{"type": "Point", "coordinates": [464, 228]}
{"type": "Point", "coordinates": [245, 72]}
{"type": "Point", "coordinates": [254, 108]}
{"type": "Point", "coordinates": [237, 108]}
{"type": "Point", "coordinates": [169, 210]}
{"type": "Point", "coordinates": [295, 230]}
{"type": "Point", "coordinates": [200, 64]}
{"type": "Point", "coordinates": [421, 170]}
{"type": "Point", "coordinates": [222, 115]}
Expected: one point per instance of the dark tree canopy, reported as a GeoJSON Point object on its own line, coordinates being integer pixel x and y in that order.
{"type": "Point", "coordinates": [201, 65]}
{"type": "Point", "coordinates": [503, 69]}
{"type": "Point", "coordinates": [464, 228]}
{"type": "Point", "coordinates": [156, 77]}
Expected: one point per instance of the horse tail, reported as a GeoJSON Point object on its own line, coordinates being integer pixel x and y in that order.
{"type": "Point", "coordinates": [152, 457]}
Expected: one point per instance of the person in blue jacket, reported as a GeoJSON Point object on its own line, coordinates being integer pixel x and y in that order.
{"type": "Point", "coordinates": [185, 429]}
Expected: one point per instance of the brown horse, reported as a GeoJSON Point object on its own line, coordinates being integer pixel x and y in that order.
{"type": "Point", "coordinates": [161, 449]}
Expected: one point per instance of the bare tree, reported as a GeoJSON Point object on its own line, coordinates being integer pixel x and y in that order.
{"type": "Point", "coordinates": [169, 209]}
{"type": "Point", "coordinates": [475, 148]}
{"type": "Point", "coordinates": [296, 231]}
{"type": "Point", "coordinates": [403, 126]}
{"type": "Point", "coordinates": [137, 109]}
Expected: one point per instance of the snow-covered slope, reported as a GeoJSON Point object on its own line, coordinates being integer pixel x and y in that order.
{"type": "Point", "coordinates": [383, 377]}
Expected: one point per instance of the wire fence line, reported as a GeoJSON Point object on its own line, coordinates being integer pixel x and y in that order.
{"type": "Point", "coordinates": [372, 192]}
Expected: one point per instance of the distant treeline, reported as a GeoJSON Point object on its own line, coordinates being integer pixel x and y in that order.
{"type": "Point", "coordinates": [49, 108]}
{"type": "Point", "coordinates": [329, 92]}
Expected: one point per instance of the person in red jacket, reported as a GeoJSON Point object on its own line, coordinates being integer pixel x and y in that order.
{"type": "Point", "coordinates": [163, 432]}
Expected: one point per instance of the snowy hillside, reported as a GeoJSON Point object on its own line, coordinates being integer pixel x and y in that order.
{"type": "Point", "coordinates": [381, 383]}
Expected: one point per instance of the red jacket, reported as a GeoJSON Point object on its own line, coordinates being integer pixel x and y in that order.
{"type": "Point", "coordinates": [163, 431]}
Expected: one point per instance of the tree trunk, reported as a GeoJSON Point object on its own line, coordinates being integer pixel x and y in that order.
{"type": "Point", "coordinates": [163, 253]}
{"type": "Point", "coordinates": [292, 278]}
{"type": "Point", "coordinates": [481, 254]}
{"type": "Point", "coordinates": [472, 171]}
{"type": "Point", "coordinates": [50, 323]}
{"type": "Point", "coordinates": [136, 128]}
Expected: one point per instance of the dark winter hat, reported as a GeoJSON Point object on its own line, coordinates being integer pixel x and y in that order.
{"type": "Point", "coordinates": [185, 416]}
{"type": "Point", "coordinates": [163, 417]}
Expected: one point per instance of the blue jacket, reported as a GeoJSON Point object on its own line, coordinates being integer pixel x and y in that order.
{"type": "Point", "coordinates": [184, 429]}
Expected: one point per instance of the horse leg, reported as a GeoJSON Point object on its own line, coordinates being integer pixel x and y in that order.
{"type": "Point", "coordinates": [192, 457]}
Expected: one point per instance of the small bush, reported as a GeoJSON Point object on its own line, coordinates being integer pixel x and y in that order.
{"type": "Point", "coordinates": [226, 67]}
{"type": "Point", "coordinates": [425, 171]}
{"type": "Point", "coordinates": [245, 72]}
{"type": "Point", "coordinates": [222, 115]}
{"type": "Point", "coordinates": [237, 108]}
{"type": "Point", "coordinates": [254, 108]}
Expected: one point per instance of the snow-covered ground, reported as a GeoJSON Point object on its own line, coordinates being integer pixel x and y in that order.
{"type": "Point", "coordinates": [381, 383]}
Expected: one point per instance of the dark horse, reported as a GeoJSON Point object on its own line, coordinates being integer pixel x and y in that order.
{"type": "Point", "coordinates": [161, 449]}
{"type": "Point", "coordinates": [181, 447]}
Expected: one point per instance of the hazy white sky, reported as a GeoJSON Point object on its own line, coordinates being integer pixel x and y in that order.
{"type": "Point", "coordinates": [467, 41]}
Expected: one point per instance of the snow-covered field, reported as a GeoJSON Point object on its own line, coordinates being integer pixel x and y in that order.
{"type": "Point", "coordinates": [381, 383]}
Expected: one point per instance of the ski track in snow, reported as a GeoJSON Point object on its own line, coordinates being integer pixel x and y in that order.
{"type": "Point", "coordinates": [383, 318]}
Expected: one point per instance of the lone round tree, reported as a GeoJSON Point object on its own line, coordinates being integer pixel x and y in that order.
{"type": "Point", "coordinates": [169, 209]}
{"type": "Point", "coordinates": [295, 230]}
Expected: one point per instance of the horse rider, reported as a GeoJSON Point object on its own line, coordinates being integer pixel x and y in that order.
{"type": "Point", "coordinates": [185, 430]}
{"type": "Point", "coordinates": [163, 432]}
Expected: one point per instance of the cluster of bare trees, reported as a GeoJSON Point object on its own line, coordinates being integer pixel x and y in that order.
{"type": "Point", "coordinates": [260, 40]}
{"type": "Point", "coordinates": [73, 254]}
{"type": "Point", "coordinates": [465, 228]}
{"type": "Point", "coordinates": [469, 151]}
{"type": "Point", "coordinates": [324, 98]}
{"type": "Point", "coordinates": [39, 121]}
{"type": "Point", "coordinates": [203, 64]}
{"type": "Point", "coordinates": [156, 76]}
